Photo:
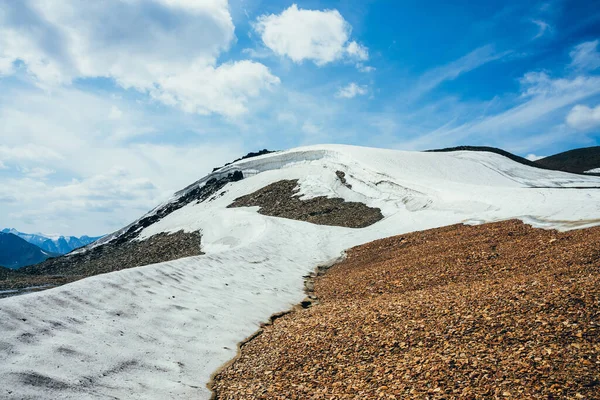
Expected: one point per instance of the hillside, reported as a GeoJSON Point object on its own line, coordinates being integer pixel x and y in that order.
{"type": "Point", "coordinates": [489, 311]}
{"type": "Point", "coordinates": [265, 222]}
{"type": "Point", "coordinates": [576, 161]}
{"type": "Point", "coordinates": [16, 252]}
{"type": "Point", "coordinates": [494, 150]}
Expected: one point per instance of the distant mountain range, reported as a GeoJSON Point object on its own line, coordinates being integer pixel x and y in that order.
{"type": "Point", "coordinates": [16, 252]}
{"type": "Point", "coordinates": [53, 244]}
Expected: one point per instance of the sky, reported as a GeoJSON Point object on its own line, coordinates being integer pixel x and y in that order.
{"type": "Point", "coordinates": [107, 108]}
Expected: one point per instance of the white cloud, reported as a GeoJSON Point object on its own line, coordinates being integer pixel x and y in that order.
{"type": "Point", "coordinates": [41, 125]}
{"type": "Point", "coordinates": [534, 157]}
{"type": "Point", "coordinates": [364, 68]}
{"type": "Point", "coordinates": [475, 59]}
{"type": "Point", "coordinates": [225, 89]}
{"type": "Point", "coordinates": [585, 56]}
{"type": "Point", "coordinates": [262, 52]}
{"type": "Point", "coordinates": [582, 117]}
{"type": "Point", "coordinates": [104, 192]}
{"type": "Point", "coordinates": [543, 27]}
{"type": "Point", "coordinates": [174, 58]}
{"type": "Point", "coordinates": [28, 152]}
{"type": "Point", "coordinates": [142, 176]}
{"type": "Point", "coordinates": [358, 51]}
{"type": "Point", "coordinates": [115, 113]}
{"type": "Point", "coordinates": [351, 90]}
{"type": "Point", "coordinates": [40, 133]}
{"type": "Point", "coordinates": [37, 172]}
{"type": "Point", "coordinates": [318, 36]}
{"type": "Point", "coordinates": [287, 118]}
{"type": "Point", "coordinates": [541, 98]}
{"type": "Point", "coordinates": [310, 128]}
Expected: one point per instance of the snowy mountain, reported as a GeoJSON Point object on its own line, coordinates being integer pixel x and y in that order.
{"type": "Point", "coordinates": [16, 252]}
{"type": "Point", "coordinates": [160, 331]}
{"type": "Point", "coordinates": [54, 243]}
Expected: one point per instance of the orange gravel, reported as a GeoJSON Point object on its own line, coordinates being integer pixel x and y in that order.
{"type": "Point", "coordinates": [472, 312]}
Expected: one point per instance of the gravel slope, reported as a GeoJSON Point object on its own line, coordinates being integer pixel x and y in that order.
{"type": "Point", "coordinates": [100, 260]}
{"type": "Point", "coordinates": [281, 199]}
{"type": "Point", "coordinates": [492, 311]}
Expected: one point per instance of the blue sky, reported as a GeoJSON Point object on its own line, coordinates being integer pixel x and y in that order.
{"type": "Point", "coordinates": [106, 108]}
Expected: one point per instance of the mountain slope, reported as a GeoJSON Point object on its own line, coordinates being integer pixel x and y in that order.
{"type": "Point", "coordinates": [16, 252]}
{"type": "Point", "coordinates": [54, 244]}
{"type": "Point", "coordinates": [459, 312]}
{"type": "Point", "coordinates": [577, 161]}
{"type": "Point", "coordinates": [495, 150]}
{"type": "Point", "coordinates": [161, 330]}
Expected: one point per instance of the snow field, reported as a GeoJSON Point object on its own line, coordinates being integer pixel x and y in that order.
{"type": "Point", "coordinates": [160, 331]}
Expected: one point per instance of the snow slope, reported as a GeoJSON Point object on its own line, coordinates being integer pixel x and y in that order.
{"type": "Point", "coordinates": [159, 331]}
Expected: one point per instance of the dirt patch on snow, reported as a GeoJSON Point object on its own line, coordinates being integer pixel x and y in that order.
{"type": "Point", "coordinates": [102, 259]}
{"type": "Point", "coordinates": [499, 310]}
{"type": "Point", "coordinates": [280, 199]}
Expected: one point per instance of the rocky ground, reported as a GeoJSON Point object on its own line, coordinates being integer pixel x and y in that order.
{"type": "Point", "coordinates": [279, 199]}
{"type": "Point", "coordinates": [102, 259]}
{"type": "Point", "coordinates": [500, 310]}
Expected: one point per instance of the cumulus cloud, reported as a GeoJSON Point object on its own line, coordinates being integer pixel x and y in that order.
{"type": "Point", "coordinates": [225, 89]}
{"type": "Point", "coordinates": [181, 40]}
{"type": "Point", "coordinates": [319, 36]}
{"type": "Point", "coordinates": [583, 117]}
{"type": "Point", "coordinates": [41, 133]}
{"type": "Point", "coordinates": [351, 90]}
{"type": "Point", "coordinates": [358, 51]}
{"type": "Point", "coordinates": [540, 84]}
{"type": "Point", "coordinates": [585, 56]}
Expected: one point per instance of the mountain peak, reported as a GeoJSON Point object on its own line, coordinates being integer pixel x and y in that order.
{"type": "Point", "coordinates": [54, 244]}
{"type": "Point", "coordinates": [16, 252]}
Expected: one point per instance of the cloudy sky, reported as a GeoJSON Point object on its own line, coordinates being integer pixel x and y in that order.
{"type": "Point", "coordinates": [107, 107]}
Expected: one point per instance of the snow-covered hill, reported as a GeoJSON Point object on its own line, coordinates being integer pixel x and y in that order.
{"type": "Point", "coordinates": [159, 331]}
